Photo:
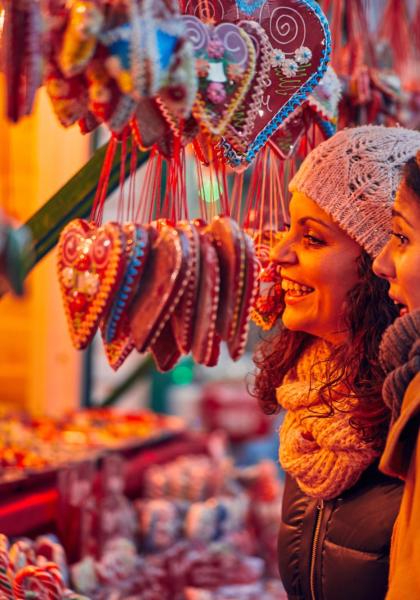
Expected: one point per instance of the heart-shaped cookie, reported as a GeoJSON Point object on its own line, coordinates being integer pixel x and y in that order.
{"type": "Point", "coordinates": [230, 247]}
{"type": "Point", "coordinates": [239, 130]}
{"type": "Point", "coordinates": [299, 36]}
{"type": "Point", "coordinates": [206, 340]}
{"type": "Point", "coordinates": [183, 316]}
{"type": "Point", "coordinates": [164, 280]}
{"type": "Point", "coordinates": [238, 335]}
{"type": "Point", "coordinates": [90, 266]}
{"type": "Point", "coordinates": [115, 328]}
{"type": "Point", "coordinates": [136, 252]}
{"type": "Point", "coordinates": [165, 349]}
{"type": "Point", "coordinates": [225, 62]}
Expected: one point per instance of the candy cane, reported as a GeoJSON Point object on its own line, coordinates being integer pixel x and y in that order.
{"type": "Point", "coordinates": [6, 591]}
{"type": "Point", "coordinates": [46, 581]}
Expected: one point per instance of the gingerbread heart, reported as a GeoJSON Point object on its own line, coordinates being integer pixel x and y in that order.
{"type": "Point", "coordinates": [206, 340]}
{"type": "Point", "coordinates": [299, 36]}
{"type": "Point", "coordinates": [165, 349]}
{"type": "Point", "coordinates": [230, 247]}
{"type": "Point", "coordinates": [90, 266]}
{"type": "Point", "coordinates": [239, 130]}
{"type": "Point", "coordinates": [136, 252]}
{"type": "Point", "coordinates": [225, 67]}
{"type": "Point", "coordinates": [166, 275]}
{"type": "Point", "coordinates": [184, 314]}
{"type": "Point", "coordinates": [115, 328]}
{"type": "Point", "coordinates": [238, 335]}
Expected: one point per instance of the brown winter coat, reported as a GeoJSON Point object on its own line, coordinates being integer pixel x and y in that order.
{"type": "Point", "coordinates": [338, 549]}
{"type": "Point", "coordinates": [401, 458]}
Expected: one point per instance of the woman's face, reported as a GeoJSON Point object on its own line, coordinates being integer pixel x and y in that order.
{"type": "Point", "coordinates": [318, 266]}
{"type": "Point", "coordinates": [399, 261]}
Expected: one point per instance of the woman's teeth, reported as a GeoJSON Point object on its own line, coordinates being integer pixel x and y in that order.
{"type": "Point", "coordinates": [295, 289]}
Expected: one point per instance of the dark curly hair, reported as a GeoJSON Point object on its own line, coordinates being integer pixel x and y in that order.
{"type": "Point", "coordinates": [412, 174]}
{"type": "Point", "coordinates": [354, 369]}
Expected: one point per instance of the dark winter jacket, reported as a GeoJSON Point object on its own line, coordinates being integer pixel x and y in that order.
{"type": "Point", "coordinates": [338, 549]}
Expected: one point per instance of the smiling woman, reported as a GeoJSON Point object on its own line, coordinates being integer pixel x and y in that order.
{"type": "Point", "coordinates": [318, 263]}
{"type": "Point", "coordinates": [399, 263]}
{"type": "Point", "coordinates": [321, 366]}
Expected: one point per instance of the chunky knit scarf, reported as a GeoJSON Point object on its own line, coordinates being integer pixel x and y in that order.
{"type": "Point", "coordinates": [399, 355]}
{"type": "Point", "coordinates": [325, 454]}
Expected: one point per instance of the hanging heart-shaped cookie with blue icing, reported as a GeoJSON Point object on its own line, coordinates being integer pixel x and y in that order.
{"type": "Point", "coordinates": [115, 328]}
{"type": "Point", "coordinates": [299, 47]}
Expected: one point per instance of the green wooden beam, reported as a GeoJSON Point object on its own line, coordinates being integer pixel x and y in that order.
{"type": "Point", "coordinates": [74, 200]}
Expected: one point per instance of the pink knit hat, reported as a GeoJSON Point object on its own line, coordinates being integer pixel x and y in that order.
{"type": "Point", "coordinates": [354, 175]}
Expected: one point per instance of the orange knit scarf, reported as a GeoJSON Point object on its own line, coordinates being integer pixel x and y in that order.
{"type": "Point", "coordinates": [325, 454]}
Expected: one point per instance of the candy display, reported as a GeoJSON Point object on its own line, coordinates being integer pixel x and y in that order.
{"type": "Point", "coordinates": [27, 570]}
{"type": "Point", "coordinates": [29, 445]}
{"type": "Point", "coordinates": [205, 529]}
{"type": "Point", "coordinates": [140, 285]}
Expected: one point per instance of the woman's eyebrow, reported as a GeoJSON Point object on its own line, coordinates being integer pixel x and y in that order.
{"type": "Point", "coordinates": [304, 220]}
{"type": "Point", "coordinates": [396, 213]}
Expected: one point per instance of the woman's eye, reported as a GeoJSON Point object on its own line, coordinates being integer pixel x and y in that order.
{"type": "Point", "coordinates": [313, 240]}
{"type": "Point", "coordinates": [402, 239]}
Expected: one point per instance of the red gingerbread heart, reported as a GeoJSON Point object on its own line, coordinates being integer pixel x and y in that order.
{"type": "Point", "coordinates": [239, 332]}
{"type": "Point", "coordinates": [230, 247]}
{"type": "Point", "coordinates": [90, 266]}
{"type": "Point", "coordinates": [299, 39]}
{"type": "Point", "coordinates": [183, 316]}
{"type": "Point", "coordinates": [206, 341]}
{"type": "Point", "coordinates": [225, 63]}
{"type": "Point", "coordinates": [164, 280]}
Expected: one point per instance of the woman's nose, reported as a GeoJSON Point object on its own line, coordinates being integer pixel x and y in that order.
{"type": "Point", "coordinates": [383, 265]}
{"type": "Point", "coordinates": [283, 252]}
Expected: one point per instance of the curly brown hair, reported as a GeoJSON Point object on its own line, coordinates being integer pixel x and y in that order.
{"type": "Point", "coordinates": [412, 174]}
{"type": "Point", "coordinates": [354, 369]}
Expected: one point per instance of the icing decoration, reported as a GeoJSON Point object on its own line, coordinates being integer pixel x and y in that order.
{"type": "Point", "coordinates": [90, 265]}
{"type": "Point", "coordinates": [325, 97]}
{"type": "Point", "coordinates": [241, 125]}
{"type": "Point", "coordinates": [136, 252]}
{"type": "Point", "coordinates": [217, 48]}
{"type": "Point", "coordinates": [115, 328]}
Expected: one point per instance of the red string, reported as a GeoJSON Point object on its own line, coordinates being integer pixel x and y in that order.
{"type": "Point", "coordinates": [101, 191]}
{"type": "Point", "coordinates": [120, 205]}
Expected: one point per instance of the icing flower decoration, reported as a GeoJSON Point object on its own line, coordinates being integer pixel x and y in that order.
{"type": "Point", "coordinates": [303, 55]}
{"type": "Point", "coordinates": [216, 93]}
{"type": "Point", "coordinates": [277, 58]}
{"type": "Point", "coordinates": [215, 48]}
{"type": "Point", "coordinates": [289, 67]}
{"type": "Point", "coordinates": [202, 67]}
{"type": "Point", "coordinates": [234, 72]}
